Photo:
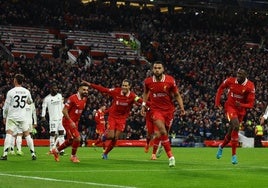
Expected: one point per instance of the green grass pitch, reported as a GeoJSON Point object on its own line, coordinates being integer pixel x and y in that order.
{"type": "Point", "coordinates": [130, 167]}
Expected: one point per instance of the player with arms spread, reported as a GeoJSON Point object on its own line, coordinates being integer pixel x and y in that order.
{"type": "Point", "coordinates": [162, 89]}
{"type": "Point", "coordinates": [123, 100]}
{"type": "Point", "coordinates": [240, 97]}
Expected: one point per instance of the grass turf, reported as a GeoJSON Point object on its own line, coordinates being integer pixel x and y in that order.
{"type": "Point", "coordinates": [129, 167]}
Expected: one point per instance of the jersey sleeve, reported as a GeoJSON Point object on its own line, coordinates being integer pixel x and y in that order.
{"type": "Point", "coordinates": [101, 88]}
{"type": "Point", "coordinates": [44, 107]}
{"type": "Point", "coordinates": [220, 90]}
{"type": "Point", "coordinates": [34, 114]}
{"type": "Point", "coordinates": [266, 113]}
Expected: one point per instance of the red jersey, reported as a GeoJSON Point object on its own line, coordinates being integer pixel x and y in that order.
{"type": "Point", "coordinates": [161, 92]}
{"type": "Point", "coordinates": [121, 104]}
{"type": "Point", "coordinates": [243, 93]}
{"type": "Point", "coordinates": [100, 120]}
{"type": "Point", "coordinates": [75, 105]}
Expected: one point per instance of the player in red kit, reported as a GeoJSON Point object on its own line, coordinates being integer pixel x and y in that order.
{"type": "Point", "coordinates": [240, 96]}
{"type": "Point", "coordinates": [100, 126]}
{"type": "Point", "coordinates": [162, 89]}
{"type": "Point", "coordinates": [123, 100]}
{"type": "Point", "coordinates": [72, 111]}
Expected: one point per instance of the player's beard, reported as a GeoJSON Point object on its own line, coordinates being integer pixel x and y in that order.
{"type": "Point", "coordinates": [158, 76]}
{"type": "Point", "coordinates": [240, 80]}
{"type": "Point", "coordinates": [84, 94]}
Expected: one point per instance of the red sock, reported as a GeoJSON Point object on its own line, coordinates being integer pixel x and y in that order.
{"type": "Point", "coordinates": [148, 140]}
{"type": "Point", "coordinates": [234, 141]}
{"type": "Point", "coordinates": [166, 144]}
{"type": "Point", "coordinates": [75, 145]}
{"type": "Point", "coordinates": [103, 145]}
{"type": "Point", "coordinates": [155, 144]}
{"type": "Point", "coordinates": [98, 141]}
{"type": "Point", "coordinates": [110, 146]}
{"type": "Point", "coordinates": [64, 145]}
{"type": "Point", "coordinates": [227, 139]}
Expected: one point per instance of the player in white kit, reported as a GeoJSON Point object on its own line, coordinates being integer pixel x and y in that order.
{"type": "Point", "coordinates": [54, 103]}
{"type": "Point", "coordinates": [31, 119]}
{"type": "Point", "coordinates": [14, 115]}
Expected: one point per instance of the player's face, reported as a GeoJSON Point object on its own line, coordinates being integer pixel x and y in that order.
{"type": "Point", "coordinates": [83, 91]}
{"type": "Point", "coordinates": [241, 76]}
{"type": "Point", "coordinates": [158, 70]}
{"type": "Point", "coordinates": [125, 87]}
{"type": "Point", "coordinates": [54, 90]}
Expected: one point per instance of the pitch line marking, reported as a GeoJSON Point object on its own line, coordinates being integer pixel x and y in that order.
{"type": "Point", "coordinates": [65, 181]}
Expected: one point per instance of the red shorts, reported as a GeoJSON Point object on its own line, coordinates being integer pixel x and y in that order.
{"type": "Point", "coordinates": [100, 129]}
{"type": "Point", "coordinates": [71, 132]}
{"type": "Point", "coordinates": [165, 116]}
{"type": "Point", "coordinates": [116, 124]}
{"type": "Point", "coordinates": [232, 113]}
{"type": "Point", "coordinates": [149, 124]}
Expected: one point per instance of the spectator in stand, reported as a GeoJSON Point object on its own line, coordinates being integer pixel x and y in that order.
{"type": "Point", "coordinates": [72, 111]}
{"type": "Point", "coordinates": [161, 89]}
{"type": "Point", "coordinates": [241, 96]}
{"type": "Point", "coordinates": [258, 136]}
{"type": "Point", "coordinates": [123, 100]}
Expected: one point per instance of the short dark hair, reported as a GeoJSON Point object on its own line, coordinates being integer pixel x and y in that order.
{"type": "Point", "coordinates": [159, 62]}
{"type": "Point", "coordinates": [20, 78]}
{"type": "Point", "coordinates": [128, 81]}
{"type": "Point", "coordinates": [82, 84]}
{"type": "Point", "coordinates": [242, 71]}
{"type": "Point", "coordinates": [53, 84]}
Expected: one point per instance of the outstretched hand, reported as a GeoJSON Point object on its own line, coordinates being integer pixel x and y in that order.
{"type": "Point", "coordinates": [85, 82]}
{"type": "Point", "coordinates": [219, 107]}
{"type": "Point", "coordinates": [183, 112]}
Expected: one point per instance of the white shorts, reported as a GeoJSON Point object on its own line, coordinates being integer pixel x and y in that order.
{"type": "Point", "coordinates": [17, 126]}
{"type": "Point", "coordinates": [55, 126]}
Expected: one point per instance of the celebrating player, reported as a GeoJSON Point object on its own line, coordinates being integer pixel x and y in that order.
{"type": "Point", "coordinates": [241, 96]}
{"type": "Point", "coordinates": [123, 99]}
{"type": "Point", "coordinates": [161, 89]}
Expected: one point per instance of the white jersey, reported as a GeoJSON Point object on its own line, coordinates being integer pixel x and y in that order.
{"type": "Point", "coordinates": [31, 117]}
{"type": "Point", "coordinates": [54, 104]}
{"type": "Point", "coordinates": [15, 103]}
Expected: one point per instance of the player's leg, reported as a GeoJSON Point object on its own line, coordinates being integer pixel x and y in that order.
{"type": "Point", "coordinates": [76, 143]}
{"type": "Point", "coordinates": [52, 135]}
{"type": "Point", "coordinates": [10, 129]}
{"type": "Point", "coordinates": [111, 134]}
{"type": "Point", "coordinates": [234, 138]}
{"type": "Point", "coordinates": [165, 141]}
{"type": "Point", "coordinates": [12, 145]}
{"type": "Point", "coordinates": [61, 134]}
{"type": "Point", "coordinates": [19, 143]}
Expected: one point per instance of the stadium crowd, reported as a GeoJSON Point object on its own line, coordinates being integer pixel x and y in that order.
{"type": "Point", "coordinates": [200, 47]}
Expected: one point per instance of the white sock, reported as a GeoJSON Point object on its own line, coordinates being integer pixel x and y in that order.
{"type": "Point", "coordinates": [19, 142]}
{"type": "Point", "coordinates": [30, 143]}
{"type": "Point", "coordinates": [12, 143]}
{"type": "Point", "coordinates": [7, 143]}
{"type": "Point", "coordinates": [52, 142]}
